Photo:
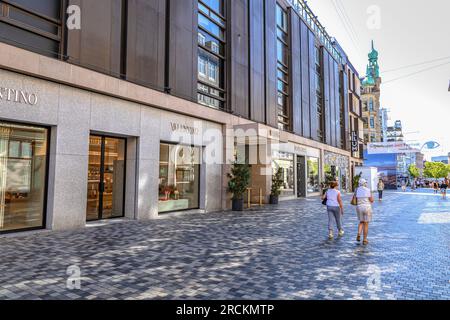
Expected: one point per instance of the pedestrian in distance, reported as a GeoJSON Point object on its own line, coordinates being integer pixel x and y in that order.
{"type": "Point", "coordinates": [404, 186]}
{"type": "Point", "coordinates": [435, 187]}
{"type": "Point", "coordinates": [413, 185]}
{"type": "Point", "coordinates": [335, 209]}
{"type": "Point", "coordinates": [444, 187]}
{"type": "Point", "coordinates": [363, 199]}
{"type": "Point", "coordinates": [380, 188]}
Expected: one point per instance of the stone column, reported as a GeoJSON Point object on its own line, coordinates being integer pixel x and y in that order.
{"type": "Point", "coordinates": [67, 189]}
{"type": "Point", "coordinates": [228, 156]}
{"type": "Point", "coordinates": [148, 164]}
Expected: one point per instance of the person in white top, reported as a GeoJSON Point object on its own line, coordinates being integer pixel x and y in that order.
{"type": "Point", "coordinates": [335, 208]}
{"type": "Point", "coordinates": [404, 186]}
{"type": "Point", "coordinates": [363, 209]}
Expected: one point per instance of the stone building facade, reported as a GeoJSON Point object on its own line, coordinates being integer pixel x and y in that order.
{"type": "Point", "coordinates": [139, 114]}
{"type": "Point", "coordinates": [370, 96]}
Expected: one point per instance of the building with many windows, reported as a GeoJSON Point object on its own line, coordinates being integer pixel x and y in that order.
{"type": "Point", "coordinates": [140, 111]}
{"type": "Point", "coordinates": [353, 139]}
{"type": "Point", "coordinates": [356, 119]}
{"type": "Point", "coordinates": [395, 133]}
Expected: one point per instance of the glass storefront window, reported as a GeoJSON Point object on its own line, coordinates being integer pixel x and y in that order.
{"type": "Point", "coordinates": [106, 178]}
{"type": "Point", "coordinates": [313, 175]}
{"type": "Point", "coordinates": [285, 161]}
{"type": "Point", "coordinates": [179, 178]}
{"type": "Point", "coordinates": [23, 176]}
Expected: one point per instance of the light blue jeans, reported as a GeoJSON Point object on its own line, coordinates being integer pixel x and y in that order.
{"type": "Point", "coordinates": [334, 213]}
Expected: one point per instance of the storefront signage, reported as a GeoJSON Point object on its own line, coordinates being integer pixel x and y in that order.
{"type": "Point", "coordinates": [300, 150]}
{"type": "Point", "coordinates": [297, 149]}
{"type": "Point", "coordinates": [177, 127]}
{"type": "Point", "coordinates": [18, 96]}
{"type": "Point", "coordinates": [355, 142]}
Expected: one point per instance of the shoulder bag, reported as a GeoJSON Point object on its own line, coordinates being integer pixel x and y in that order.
{"type": "Point", "coordinates": [354, 201]}
{"type": "Point", "coordinates": [324, 201]}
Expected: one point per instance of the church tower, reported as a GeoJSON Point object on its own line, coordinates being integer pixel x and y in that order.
{"type": "Point", "coordinates": [373, 69]}
{"type": "Point", "coordinates": [370, 96]}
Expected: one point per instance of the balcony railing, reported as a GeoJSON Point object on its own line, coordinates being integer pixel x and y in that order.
{"type": "Point", "coordinates": [308, 16]}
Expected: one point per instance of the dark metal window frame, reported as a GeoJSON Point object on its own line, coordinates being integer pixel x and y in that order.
{"type": "Point", "coordinates": [342, 109]}
{"type": "Point", "coordinates": [5, 6]}
{"type": "Point", "coordinates": [319, 70]}
{"type": "Point", "coordinates": [102, 175]}
{"type": "Point", "coordinates": [199, 174]}
{"type": "Point", "coordinates": [283, 112]}
{"type": "Point", "coordinates": [47, 167]}
{"type": "Point", "coordinates": [223, 60]}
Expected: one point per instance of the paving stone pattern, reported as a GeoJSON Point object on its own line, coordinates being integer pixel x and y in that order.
{"type": "Point", "coordinates": [277, 252]}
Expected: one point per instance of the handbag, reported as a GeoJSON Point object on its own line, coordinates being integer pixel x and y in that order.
{"type": "Point", "coordinates": [324, 201]}
{"type": "Point", "coordinates": [354, 201]}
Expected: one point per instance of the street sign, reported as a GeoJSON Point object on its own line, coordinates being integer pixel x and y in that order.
{"type": "Point", "coordinates": [355, 142]}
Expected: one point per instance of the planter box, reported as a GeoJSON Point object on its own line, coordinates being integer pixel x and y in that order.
{"type": "Point", "coordinates": [238, 204]}
{"type": "Point", "coordinates": [273, 199]}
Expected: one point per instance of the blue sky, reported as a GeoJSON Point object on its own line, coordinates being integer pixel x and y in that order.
{"type": "Point", "coordinates": [409, 33]}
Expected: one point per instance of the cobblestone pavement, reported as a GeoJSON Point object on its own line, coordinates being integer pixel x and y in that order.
{"type": "Point", "coordinates": [279, 252]}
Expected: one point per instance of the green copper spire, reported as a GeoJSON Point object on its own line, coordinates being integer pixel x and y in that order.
{"type": "Point", "coordinates": [373, 69]}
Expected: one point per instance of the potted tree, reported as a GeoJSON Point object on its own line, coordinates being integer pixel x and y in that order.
{"type": "Point", "coordinates": [415, 174]}
{"type": "Point", "coordinates": [328, 178]}
{"type": "Point", "coordinates": [356, 180]}
{"type": "Point", "coordinates": [277, 183]}
{"type": "Point", "coordinates": [238, 184]}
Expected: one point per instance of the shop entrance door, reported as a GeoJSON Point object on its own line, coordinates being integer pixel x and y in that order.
{"type": "Point", "coordinates": [301, 177]}
{"type": "Point", "coordinates": [106, 178]}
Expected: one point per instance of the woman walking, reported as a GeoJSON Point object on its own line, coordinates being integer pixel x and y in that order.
{"type": "Point", "coordinates": [403, 185]}
{"type": "Point", "coordinates": [435, 187]}
{"type": "Point", "coordinates": [335, 209]}
{"type": "Point", "coordinates": [364, 200]}
{"type": "Point", "coordinates": [444, 187]}
{"type": "Point", "coordinates": [380, 188]}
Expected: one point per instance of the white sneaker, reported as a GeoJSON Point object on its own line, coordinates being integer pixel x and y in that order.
{"type": "Point", "coordinates": [330, 235]}
{"type": "Point", "coordinates": [341, 233]}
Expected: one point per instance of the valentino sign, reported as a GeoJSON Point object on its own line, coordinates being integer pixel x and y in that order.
{"type": "Point", "coordinates": [18, 96]}
{"type": "Point", "coordinates": [184, 128]}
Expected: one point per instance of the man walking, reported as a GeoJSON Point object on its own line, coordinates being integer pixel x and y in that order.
{"type": "Point", "coordinates": [380, 188]}
{"type": "Point", "coordinates": [444, 187]}
{"type": "Point", "coordinates": [435, 187]}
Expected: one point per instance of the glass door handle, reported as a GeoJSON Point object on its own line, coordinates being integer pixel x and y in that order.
{"type": "Point", "coordinates": [101, 187]}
